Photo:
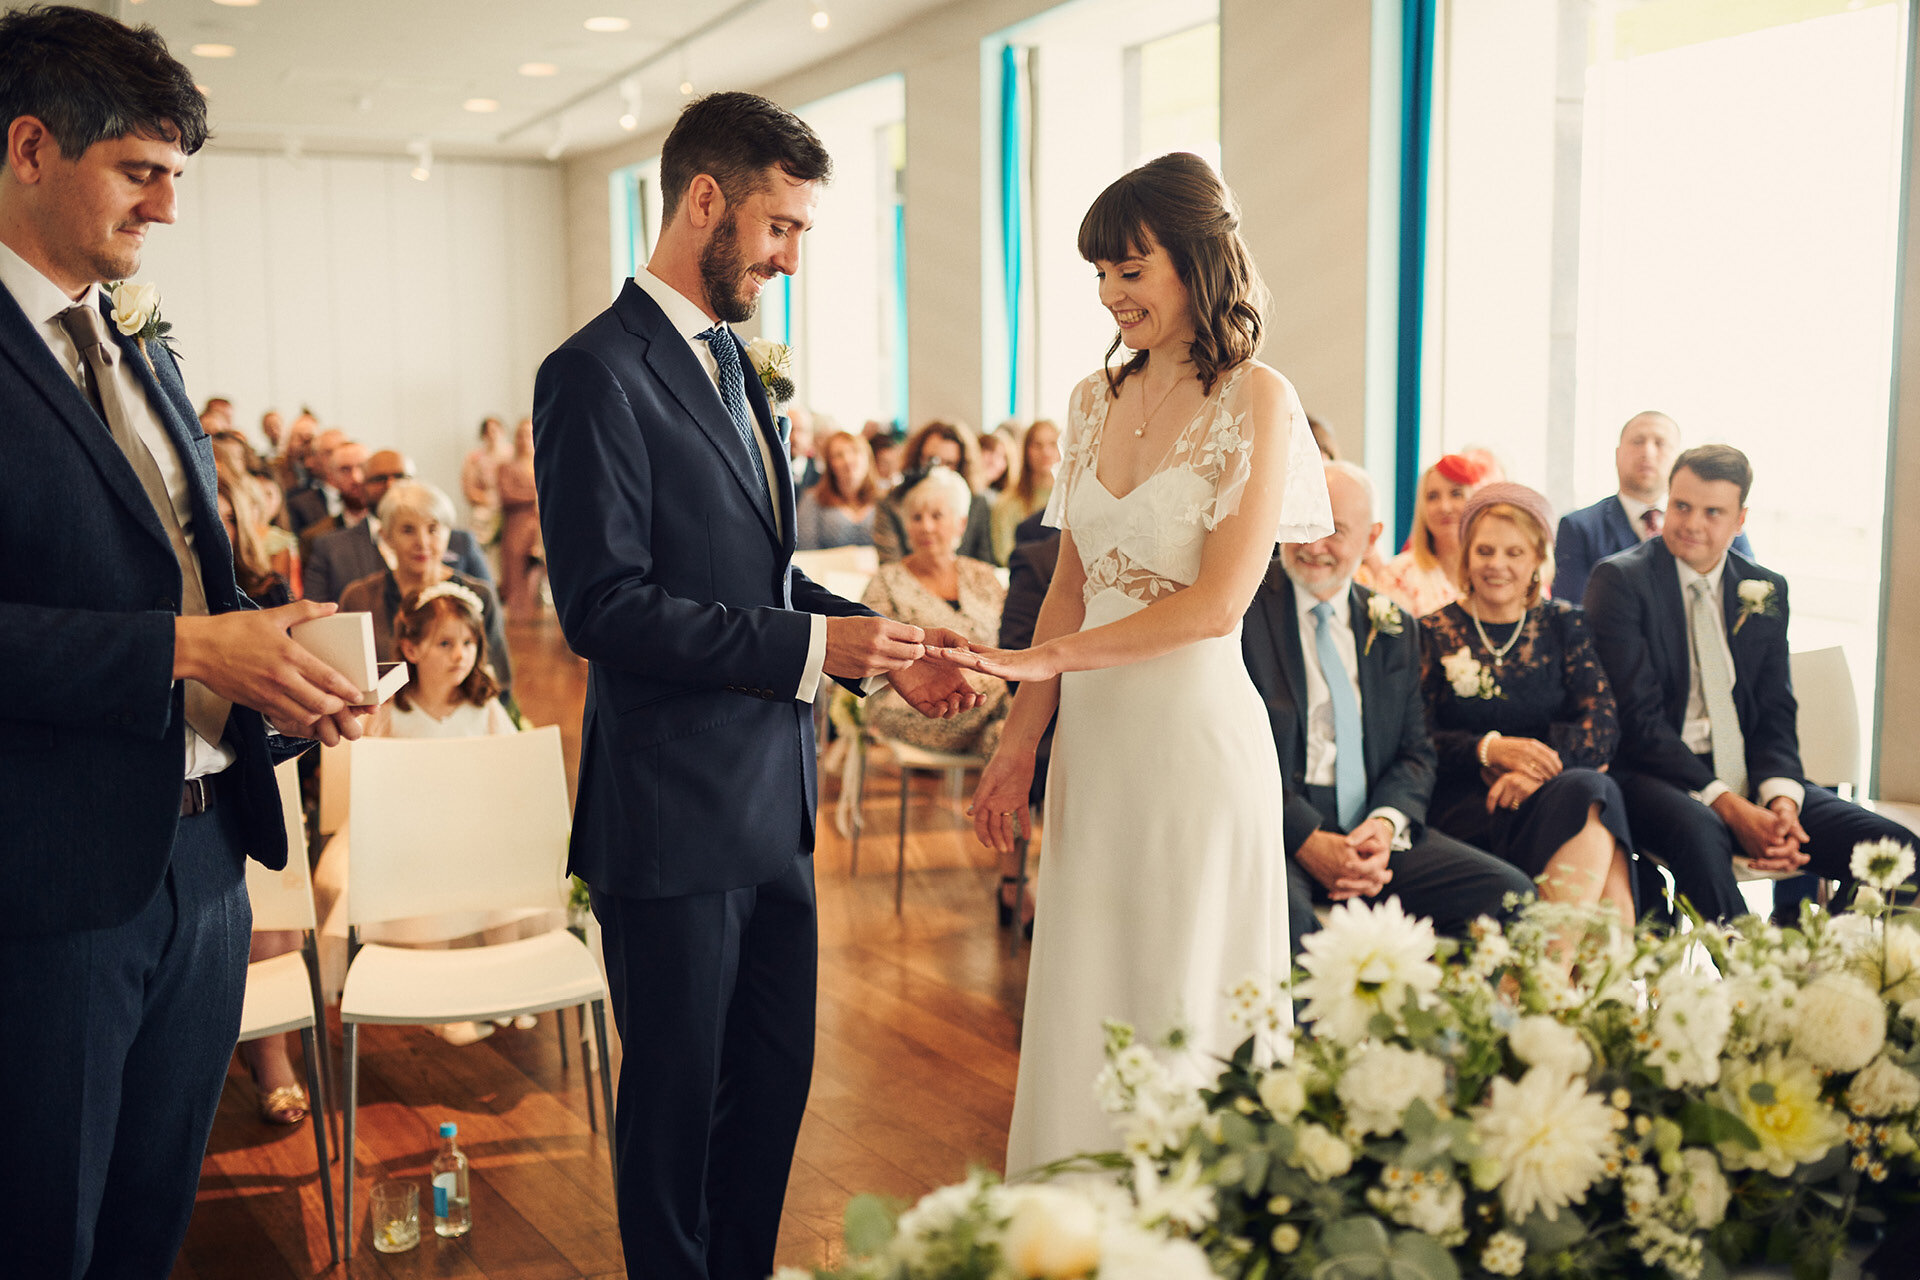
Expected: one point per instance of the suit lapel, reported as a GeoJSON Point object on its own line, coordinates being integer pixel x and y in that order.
{"type": "Point", "coordinates": [1284, 621]}
{"type": "Point", "coordinates": [1622, 526]}
{"type": "Point", "coordinates": [1369, 666]}
{"type": "Point", "coordinates": [680, 372]}
{"type": "Point", "coordinates": [21, 341]}
{"type": "Point", "coordinates": [1669, 624]}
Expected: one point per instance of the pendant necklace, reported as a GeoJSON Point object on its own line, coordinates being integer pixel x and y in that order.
{"type": "Point", "coordinates": [1502, 650]}
{"type": "Point", "coordinates": [1146, 414]}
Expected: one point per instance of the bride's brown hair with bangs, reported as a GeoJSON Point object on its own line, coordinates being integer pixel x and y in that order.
{"type": "Point", "coordinates": [1179, 203]}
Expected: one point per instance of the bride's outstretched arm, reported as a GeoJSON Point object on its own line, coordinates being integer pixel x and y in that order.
{"type": "Point", "coordinates": [1235, 560]}
{"type": "Point", "coordinates": [1000, 801]}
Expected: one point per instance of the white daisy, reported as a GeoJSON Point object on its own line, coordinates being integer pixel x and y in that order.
{"type": "Point", "coordinates": [1365, 960]}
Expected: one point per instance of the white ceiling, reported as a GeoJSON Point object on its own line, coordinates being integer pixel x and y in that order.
{"type": "Point", "coordinates": [376, 75]}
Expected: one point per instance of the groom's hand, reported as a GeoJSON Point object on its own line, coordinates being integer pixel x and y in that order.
{"type": "Point", "coordinates": [935, 689]}
{"type": "Point", "coordinates": [862, 647]}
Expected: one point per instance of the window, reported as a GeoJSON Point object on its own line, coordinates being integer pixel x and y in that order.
{"type": "Point", "coordinates": [1699, 215]}
{"type": "Point", "coordinates": [634, 193]}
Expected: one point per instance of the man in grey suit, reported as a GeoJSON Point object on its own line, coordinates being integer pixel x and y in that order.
{"type": "Point", "coordinates": [1356, 810]}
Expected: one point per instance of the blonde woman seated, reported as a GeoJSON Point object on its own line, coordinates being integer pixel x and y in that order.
{"type": "Point", "coordinates": [935, 586]}
{"type": "Point", "coordinates": [1030, 489]}
{"type": "Point", "coordinates": [1522, 716]}
{"type": "Point", "coordinates": [1425, 575]}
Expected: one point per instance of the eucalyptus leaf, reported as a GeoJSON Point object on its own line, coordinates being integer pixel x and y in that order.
{"type": "Point", "coordinates": [1551, 1235]}
{"type": "Point", "coordinates": [869, 1225]}
{"type": "Point", "coordinates": [1704, 1124]}
{"type": "Point", "coordinates": [1356, 1237]}
{"type": "Point", "coordinates": [1418, 1256]}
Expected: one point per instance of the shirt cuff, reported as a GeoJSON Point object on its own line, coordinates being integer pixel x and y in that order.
{"type": "Point", "coordinates": [1773, 788]}
{"type": "Point", "coordinates": [816, 660]}
{"type": "Point", "coordinates": [1711, 792]}
{"type": "Point", "coordinates": [1398, 821]}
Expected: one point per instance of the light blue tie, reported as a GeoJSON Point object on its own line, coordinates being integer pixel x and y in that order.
{"type": "Point", "coordinates": [1349, 752]}
{"type": "Point", "coordinates": [733, 394]}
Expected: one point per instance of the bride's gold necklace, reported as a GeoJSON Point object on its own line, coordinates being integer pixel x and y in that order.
{"type": "Point", "coordinates": [1146, 414]}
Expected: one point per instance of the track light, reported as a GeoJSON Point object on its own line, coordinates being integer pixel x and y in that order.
{"type": "Point", "coordinates": [422, 153]}
{"type": "Point", "coordinates": [630, 95]}
{"type": "Point", "coordinates": [821, 18]}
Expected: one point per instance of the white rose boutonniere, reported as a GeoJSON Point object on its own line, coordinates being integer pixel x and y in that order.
{"type": "Point", "coordinates": [1756, 600]}
{"type": "Point", "coordinates": [1383, 619]}
{"type": "Point", "coordinates": [136, 314]}
{"type": "Point", "coordinates": [1468, 677]}
{"type": "Point", "coordinates": [773, 361]}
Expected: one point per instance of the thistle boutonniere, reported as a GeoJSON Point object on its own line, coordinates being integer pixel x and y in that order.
{"type": "Point", "coordinates": [136, 314]}
{"type": "Point", "coordinates": [1469, 678]}
{"type": "Point", "coordinates": [773, 361]}
{"type": "Point", "coordinates": [1756, 600]}
{"type": "Point", "coordinates": [1383, 619]}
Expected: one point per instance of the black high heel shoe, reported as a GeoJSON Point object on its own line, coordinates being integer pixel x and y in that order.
{"type": "Point", "coordinates": [1008, 910]}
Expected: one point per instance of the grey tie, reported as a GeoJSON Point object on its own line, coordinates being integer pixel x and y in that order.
{"type": "Point", "coordinates": [1716, 687]}
{"type": "Point", "coordinates": [733, 394]}
{"type": "Point", "coordinates": [206, 710]}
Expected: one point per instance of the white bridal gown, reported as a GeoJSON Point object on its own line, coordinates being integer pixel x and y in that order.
{"type": "Point", "coordinates": [1163, 880]}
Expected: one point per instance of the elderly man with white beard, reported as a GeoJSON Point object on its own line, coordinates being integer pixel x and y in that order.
{"type": "Point", "coordinates": [1355, 759]}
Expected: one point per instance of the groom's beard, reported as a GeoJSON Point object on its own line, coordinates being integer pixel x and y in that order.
{"type": "Point", "coordinates": [723, 273]}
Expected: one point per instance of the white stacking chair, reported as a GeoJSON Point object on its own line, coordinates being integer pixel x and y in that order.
{"type": "Point", "coordinates": [283, 991]}
{"type": "Point", "coordinates": [1830, 750]}
{"type": "Point", "coordinates": [459, 825]}
{"type": "Point", "coordinates": [910, 760]}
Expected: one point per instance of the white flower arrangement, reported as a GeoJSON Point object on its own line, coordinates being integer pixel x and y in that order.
{"type": "Point", "coordinates": [1383, 619]}
{"type": "Point", "coordinates": [1756, 601]}
{"type": "Point", "coordinates": [1468, 676]}
{"type": "Point", "coordinates": [773, 363]}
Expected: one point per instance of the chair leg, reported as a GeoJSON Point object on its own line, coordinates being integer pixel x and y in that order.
{"type": "Point", "coordinates": [316, 1081]}
{"type": "Point", "coordinates": [350, 1054]}
{"type": "Point", "coordinates": [329, 1077]}
{"type": "Point", "coordinates": [560, 1016]}
{"type": "Point", "coordinates": [606, 1083]}
{"type": "Point", "coordinates": [900, 867]}
{"type": "Point", "coordinates": [593, 1122]}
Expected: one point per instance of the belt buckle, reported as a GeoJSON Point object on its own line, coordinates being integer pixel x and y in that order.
{"type": "Point", "coordinates": [198, 797]}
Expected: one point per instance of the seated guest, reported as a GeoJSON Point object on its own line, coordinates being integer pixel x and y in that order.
{"type": "Point", "coordinates": [1354, 757]}
{"type": "Point", "coordinates": [938, 444]}
{"type": "Point", "coordinates": [998, 467]}
{"type": "Point", "coordinates": [803, 434]}
{"type": "Point", "coordinates": [480, 478]}
{"type": "Point", "coordinates": [1028, 494]}
{"type": "Point", "coordinates": [838, 511]}
{"type": "Point", "coordinates": [1693, 636]}
{"type": "Point", "coordinates": [416, 523]}
{"type": "Point", "coordinates": [938, 586]}
{"type": "Point", "coordinates": [345, 472]}
{"type": "Point", "coordinates": [315, 499]}
{"type": "Point", "coordinates": [1422, 577]}
{"type": "Point", "coordinates": [253, 567]}
{"type": "Point", "coordinates": [1648, 443]}
{"type": "Point", "coordinates": [889, 454]}
{"type": "Point", "coordinates": [1521, 715]}
{"type": "Point", "coordinates": [347, 555]}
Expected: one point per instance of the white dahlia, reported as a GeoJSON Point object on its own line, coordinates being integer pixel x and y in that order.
{"type": "Point", "coordinates": [1382, 1081]}
{"type": "Point", "coordinates": [1365, 960]}
{"type": "Point", "coordinates": [1885, 1088]}
{"type": "Point", "coordinates": [1549, 1137]}
{"type": "Point", "coordinates": [1840, 1022]}
{"type": "Point", "coordinates": [1540, 1041]}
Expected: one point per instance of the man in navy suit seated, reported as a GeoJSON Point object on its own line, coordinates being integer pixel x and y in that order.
{"type": "Point", "coordinates": [1693, 635]}
{"type": "Point", "coordinates": [1648, 443]}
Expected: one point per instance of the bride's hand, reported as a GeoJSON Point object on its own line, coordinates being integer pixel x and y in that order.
{"type": "Point", "coordinates": [999, 805]}
{"type": "Point", "coordinates": [1016, 665]}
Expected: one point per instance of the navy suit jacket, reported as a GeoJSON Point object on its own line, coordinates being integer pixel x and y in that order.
{"type": "Point", "coordinates": [345, 556]}
{"type": "Point", "coordinates": [696, 760]}
{"type": "Point", "coordinates": [1639, 623]}
{"type": "Point", "coordinates": [1400, 759]}
{"type": "Point", "coordinates": [92, 752]}
{"type": "Point", "coordinates": [1590, 535]}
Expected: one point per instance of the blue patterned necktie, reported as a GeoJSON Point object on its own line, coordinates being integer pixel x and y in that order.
{"type": "Point", "coordinates": [1349, 753]}
{"type": "Point", "coordinates": [733, 394]}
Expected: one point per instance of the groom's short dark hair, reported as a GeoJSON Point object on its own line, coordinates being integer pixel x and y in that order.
{"type": "Point", "coordinates": [734, 138]}
{"type": "Point", "coordinates": [88, 79]}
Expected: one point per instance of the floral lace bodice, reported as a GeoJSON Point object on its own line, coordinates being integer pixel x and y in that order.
{"type": "Point", "coordinates": [1147, 543]}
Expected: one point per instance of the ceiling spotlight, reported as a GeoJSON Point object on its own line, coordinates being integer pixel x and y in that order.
{"type": "Point", "coordinates": [213, 51]}
{"type": "Point", "coordinates": [538, 69]}
{"type": "Point", "coordinates": [480, 106]}
{"type": "Point", "coordinates": [422, 153]}
{"type": "Point", "coordinates": [238, 4]}
{"type": "Point", "coordinates": [607, 26]}
{"type": "Point", "coordinates": [821, 19]}
{"type": "Point", "coordinates": [686, 74]}
{"type": "Point", "coordinates": [630, 94]}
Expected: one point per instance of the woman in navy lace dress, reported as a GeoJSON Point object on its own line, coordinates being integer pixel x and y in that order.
{"type": "Point", "coordinates": [1521, 714]}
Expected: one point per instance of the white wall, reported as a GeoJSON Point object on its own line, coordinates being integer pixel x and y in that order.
{"type": "Point", "coordinates": [401, 311]}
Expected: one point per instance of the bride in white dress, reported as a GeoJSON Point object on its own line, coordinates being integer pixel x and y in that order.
{"type": "Point", "coordinates": [1163, 881]}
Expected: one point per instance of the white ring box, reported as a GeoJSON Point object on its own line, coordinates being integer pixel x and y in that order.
{"type": "Point", "coordinates": [344, 641]}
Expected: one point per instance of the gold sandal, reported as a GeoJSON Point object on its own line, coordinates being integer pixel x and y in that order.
{"type": "Point", "coordinates": [285, 1105]}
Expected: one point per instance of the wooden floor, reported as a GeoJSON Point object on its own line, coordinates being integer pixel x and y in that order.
{"type": "Point", "coordinates": [913, 1078]}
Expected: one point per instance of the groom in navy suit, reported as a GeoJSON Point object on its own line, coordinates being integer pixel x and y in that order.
{"type": "Point", "coordinates": [135, 761]}
{"type": "Point", "coordinates": [1693, 636]}
{"type": "Point", "coordinates": [668, 514]}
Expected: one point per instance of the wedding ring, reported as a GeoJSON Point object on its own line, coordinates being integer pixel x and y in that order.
{"type": "Point", "coordinates": [1006, 813]}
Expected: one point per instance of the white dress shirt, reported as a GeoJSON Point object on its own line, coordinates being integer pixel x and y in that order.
{"type": "Point", "coordinates": [1696, 730]}
{"type": "Point", "coordinates": [1322, 755]}
{"type": "Point", "coordinates": [688, 318]}
{"type": "Point", "coordinates": [1637, 514]}
{"type": "Point", "coordinates": [43, 301]}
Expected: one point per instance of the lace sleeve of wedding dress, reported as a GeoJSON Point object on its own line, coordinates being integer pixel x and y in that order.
{"type": "Point", "coordinates": [1223, 452]}
{"type": "Point", "coordinates": [1306, 514]}
{"type": "Point", "coordinates": [1076, 446]}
